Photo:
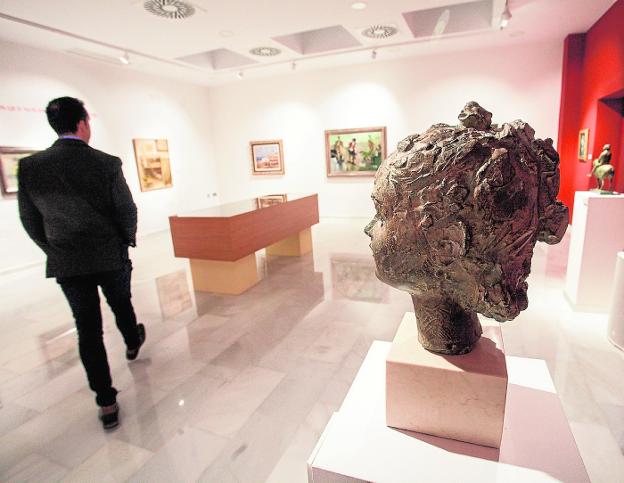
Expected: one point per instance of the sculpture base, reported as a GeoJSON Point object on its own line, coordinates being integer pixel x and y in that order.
{"type": "Point", "coordinates": [224, 277]}
{"type": "Point", "coordinates": [293, 246]}
{"type": "Point", "coordinates": [603, 192]}
{"type": "Point", "coordinates": [460, 397]}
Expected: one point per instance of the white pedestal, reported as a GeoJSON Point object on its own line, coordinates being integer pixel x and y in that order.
{"type": "Point", "coordinates": [616, 314]}
{"type": "Point", "coordinates": [537, 443]}
{"type": "Point", "coordinates": [597, 237]}
{"type": "Point", "coordinates": [460, 397]}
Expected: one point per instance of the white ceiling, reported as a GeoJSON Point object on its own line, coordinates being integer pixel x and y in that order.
{"type": "Point", "coordinates": [107, 28]}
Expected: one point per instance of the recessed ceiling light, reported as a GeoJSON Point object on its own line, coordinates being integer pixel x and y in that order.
{"type": "Point", "coordinates": [265, 51]}
{"type": "Point", "coordinates": [174, 9]}
{"type": "Point", "coordinates": [380, 31]}
{"type": "Point", "coordinates": [358, 5]}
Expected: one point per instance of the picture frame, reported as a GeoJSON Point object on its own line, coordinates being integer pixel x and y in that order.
{"type": "Point", "coordinates": [355, 152]}
{"type": "Point", "coordinates": [267, 157]}
{"type": "Point", "coordinates": [9, 161]}
{"type": "Point", "coordinates": [583, 142]}
{"type": "Point", "coordinates": [270, 200]}
{"type": "Point", "coordinates": [153, 163]}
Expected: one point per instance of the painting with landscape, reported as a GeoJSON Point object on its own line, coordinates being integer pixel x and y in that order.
{"type": "Point", "coordinates": [267, 157]}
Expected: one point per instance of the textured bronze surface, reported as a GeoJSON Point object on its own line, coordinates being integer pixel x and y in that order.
{"type": "Point", "coordinates": [603, 170]}
{"type": "Point", "coordinates": [459, 210]}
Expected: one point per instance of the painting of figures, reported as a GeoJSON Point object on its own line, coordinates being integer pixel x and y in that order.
{"type": "Point", "coordinates": [354, 152]}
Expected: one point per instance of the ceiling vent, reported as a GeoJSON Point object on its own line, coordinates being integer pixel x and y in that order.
{"type": "Point", "coordinates": [265, 51]}
{"type": "Point", "coordinates": [174, 9]}
{"type": "Point", "coordinates": [380, 31]}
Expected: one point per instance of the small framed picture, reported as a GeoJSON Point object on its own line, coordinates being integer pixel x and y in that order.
{"type": "Point", "coordinates": [9, 162]}
{"type": "Point", "coordinates": [354, 152]}
{"type": "Point", "coordinates": [270, 200]}
{"type": "Point", "coordinates": [267, 157]}
{"type": "Point", "coordinates": [582, 144]}
{"type": "Point", "coordinates": [153, 163]}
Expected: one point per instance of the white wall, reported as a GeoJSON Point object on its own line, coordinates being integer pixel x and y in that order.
{"type": "Point", "coordinates": [405, 95]}
{"type": "Point", "coordinates": [123, 105]}
{"type": "Point", "coordinates": [209, 129]}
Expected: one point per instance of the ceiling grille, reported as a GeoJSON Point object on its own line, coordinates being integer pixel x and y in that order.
{"type": "Point", "coordinates": [174, 9]}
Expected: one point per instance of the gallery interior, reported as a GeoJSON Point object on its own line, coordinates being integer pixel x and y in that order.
{"type": "Point", "coordinates": [282, 344]}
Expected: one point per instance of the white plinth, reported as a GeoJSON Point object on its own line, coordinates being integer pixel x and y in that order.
{"type": "Point", "coordinates": [597, 237]}
{"type": "Point", "coordinates": [458, 397]}
{"type": "Point", "coordinates": [537, 444]}
{"type": "Point", "coordinates": [616, 313]}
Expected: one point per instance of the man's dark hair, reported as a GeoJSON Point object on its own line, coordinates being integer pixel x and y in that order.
{"type": "Point", "coordinates": [65, 113]}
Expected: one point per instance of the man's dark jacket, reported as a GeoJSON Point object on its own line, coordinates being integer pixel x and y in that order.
{"type": "Point", "coordinates": [75, 204]}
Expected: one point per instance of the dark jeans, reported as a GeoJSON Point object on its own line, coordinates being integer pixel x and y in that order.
{"type": "Point", "coordinates": [82, 294]}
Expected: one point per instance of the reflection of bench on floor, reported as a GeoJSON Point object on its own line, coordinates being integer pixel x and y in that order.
{"type": "Point", "coordinates": [537, 444]}
{"type": "Point", "coordinates": [221, 241]}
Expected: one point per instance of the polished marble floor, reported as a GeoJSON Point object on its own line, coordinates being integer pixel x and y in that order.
{"type": "Point", "coordinates": [239, 388]}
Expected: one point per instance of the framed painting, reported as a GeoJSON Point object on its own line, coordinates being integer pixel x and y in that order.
{"type": "Point", "coordinates": [9, 162]}
{"type": "Point", "coordinates": [270, 200]}
{"type": "Point", "coordinates": [354, 152]}
{"type": "Point", "coordinates": [582, 144]}
{"type": "Point", "coordinates": [267, 157]}
{"type": "Point", "coordinates": [153, 163]}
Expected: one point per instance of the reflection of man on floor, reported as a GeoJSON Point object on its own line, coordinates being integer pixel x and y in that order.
{"type": "Point", "coordinates": [76, 206]}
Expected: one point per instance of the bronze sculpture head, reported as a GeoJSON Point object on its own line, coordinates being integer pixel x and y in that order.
{"type": "Point", "coordinates": [459, 210]}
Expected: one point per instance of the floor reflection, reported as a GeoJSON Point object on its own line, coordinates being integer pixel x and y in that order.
{"type": "Point", "coordinates": [353, 278]}
{"type": "Point", "coordinates": [174, 295]}
{"type": "Point", "coordinates": [239, 388]}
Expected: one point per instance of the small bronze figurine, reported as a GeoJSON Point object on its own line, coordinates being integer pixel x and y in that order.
{"type": "Point", "coordinates": [603, 170]}
{"type": "Point", "coordinates": [459, 210]}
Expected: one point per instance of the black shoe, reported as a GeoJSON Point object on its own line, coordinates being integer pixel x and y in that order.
{"type": "Point", "coordinates": [109, 415]}
{"type": "Point", "coordinates": [131, 354]}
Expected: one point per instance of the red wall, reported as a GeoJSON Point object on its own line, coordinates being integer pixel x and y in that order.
{"type": "Point", "coordinates": [593, 78]}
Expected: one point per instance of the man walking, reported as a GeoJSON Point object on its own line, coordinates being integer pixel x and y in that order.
{"type": "Point", "coordinates": [76, 206]}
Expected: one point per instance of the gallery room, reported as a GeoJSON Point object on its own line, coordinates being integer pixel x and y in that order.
{"type": "Point", "coordinates": [324, 241]}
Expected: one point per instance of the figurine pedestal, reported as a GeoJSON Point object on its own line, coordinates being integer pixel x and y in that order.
{"type": "Point", "coordinates": [597, 237]}
{"type": "Point", "coordinates": [616, 314]}
{"type": "Point", "coordinates": [459, 397]}
{"type": "Point", "coordinates": [224, 277]}
{"type": "Point", "coordinates": [537, 446]}
{"type": "Point", "coordinates": [293, 246]}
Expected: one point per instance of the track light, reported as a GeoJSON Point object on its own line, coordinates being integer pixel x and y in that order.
{"type": "Point", "coordinates": [293, 66]}
{"type": "Point", "coordinates": [374, 54]}
{"type": "Point", "coordinates": [505, 16]}
{"type": "Point", "coordinates": [124, 59]}
{"type": "Point", "coordinates": [240, 75]}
